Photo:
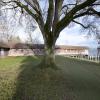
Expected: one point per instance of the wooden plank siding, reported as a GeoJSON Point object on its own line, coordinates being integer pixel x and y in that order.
{"type": "Point", "coordinates": [21, 49]}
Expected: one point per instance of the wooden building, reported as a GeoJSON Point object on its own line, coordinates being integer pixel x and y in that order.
{"type": "Point", "coordinates": [71, 50]}
{"type": "Point", "coordinates": [21, 49]}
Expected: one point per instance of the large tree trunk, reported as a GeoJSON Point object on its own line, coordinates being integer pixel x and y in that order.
{"type": "Point", "coordinates": [49, 56]}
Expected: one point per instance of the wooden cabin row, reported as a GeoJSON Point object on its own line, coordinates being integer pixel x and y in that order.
{"type": "Point", "coordinates": [22, 49]}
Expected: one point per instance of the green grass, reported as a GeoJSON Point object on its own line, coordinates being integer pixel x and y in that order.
{"type": "Point", "coordinates": [20, 79]}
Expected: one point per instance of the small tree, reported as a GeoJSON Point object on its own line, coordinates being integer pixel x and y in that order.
{"type": "Point", "coordinates": [54, 17]}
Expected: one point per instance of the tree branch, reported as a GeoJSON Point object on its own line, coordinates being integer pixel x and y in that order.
{"type": "Point", "coordinates": [31, 5]}
{"type": "Point", "coordinates": [58, 7]}
{"type": "Point", "coordinates": [95, 12]}
{"type": "Point", "coordinates": [69, 16]}
{"type": "Point", "coordinates": [89, 11]}
{"type": "Point", "coordinates": [36, 16]}
{"type": "Point", "coordinates": [49, 16]}
{"type": "Point", "coordinates": [80, 24]}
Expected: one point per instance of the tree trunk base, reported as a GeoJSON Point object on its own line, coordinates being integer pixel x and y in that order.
{"type": "Point", "coordinates": [49, 58]}
{"type": "Point", "coordinates": [48, 64]}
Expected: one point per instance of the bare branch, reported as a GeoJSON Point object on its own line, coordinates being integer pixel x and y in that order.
{"type": "Point", "coordinates": [69, 16]}
{"type": "Point", "coordinates": [32, 5]}
{"type": "Point", "coordinates": [95, 12]}
{"type": "Point", "coordinates": [49, 16]}
{"type": "Point", "coordinates": [58, 7]}
{"type": "Point", "coordinates": [80, 24]}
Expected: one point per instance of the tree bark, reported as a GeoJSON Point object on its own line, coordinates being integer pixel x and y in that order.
{"type": "Point", "coordinates": [49, 57]}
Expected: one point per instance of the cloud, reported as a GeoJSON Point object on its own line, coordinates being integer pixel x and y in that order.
{"type": "Point", "coordinates": [72, 36]}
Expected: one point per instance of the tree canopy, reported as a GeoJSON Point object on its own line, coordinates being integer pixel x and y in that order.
{"type": "Point", "coordinates": [55, 15]}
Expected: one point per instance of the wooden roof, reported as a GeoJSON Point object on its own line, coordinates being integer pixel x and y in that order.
{"type": "Point", "coordinates": [70, 47]}
{"type": "Point", "coordinates": [3, 45]}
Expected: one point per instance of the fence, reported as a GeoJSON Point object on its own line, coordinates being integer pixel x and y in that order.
{"type": "Point", "coordinates": [87, 58]}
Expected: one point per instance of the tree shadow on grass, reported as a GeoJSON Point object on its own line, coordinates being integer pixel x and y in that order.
{"type": "Point", "coordinates": [34, 83]}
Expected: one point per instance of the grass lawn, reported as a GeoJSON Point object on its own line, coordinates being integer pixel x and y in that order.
{"type": "Point", "coordinates": [20, 79]}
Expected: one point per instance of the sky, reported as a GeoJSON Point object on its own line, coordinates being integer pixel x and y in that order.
{"type": "Point", "coordinates": [69, 36]}
{"type": "Point", "coordinates": [74, 36]}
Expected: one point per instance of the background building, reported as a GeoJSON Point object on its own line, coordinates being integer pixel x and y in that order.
{"type": "Point", "coordinates": [22, 49]}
